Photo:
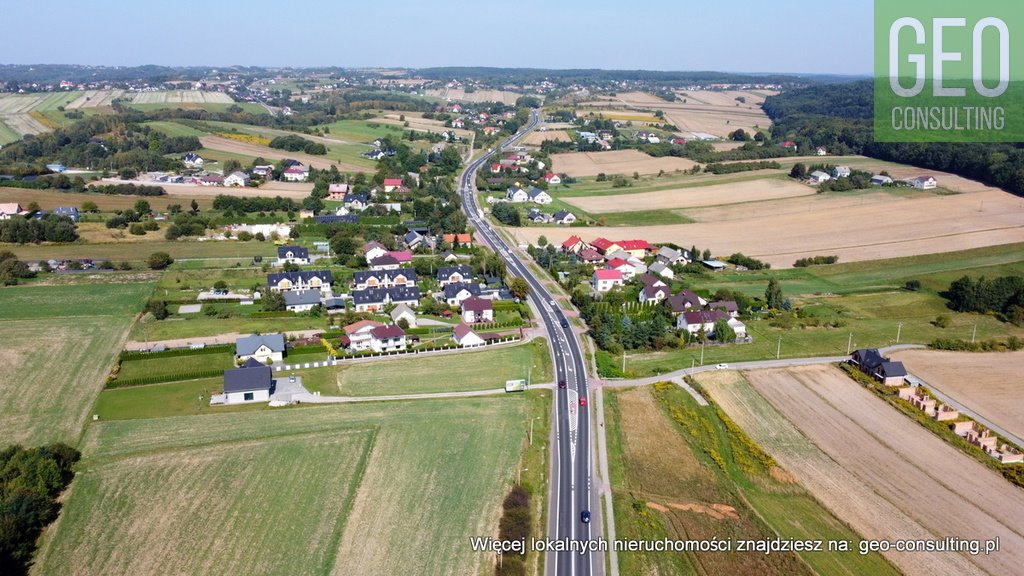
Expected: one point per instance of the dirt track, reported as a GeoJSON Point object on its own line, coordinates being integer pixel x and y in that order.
{"type": "Point", "coordinates": [944, 491]}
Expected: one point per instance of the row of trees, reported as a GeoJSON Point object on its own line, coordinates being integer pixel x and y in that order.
{"type": "Point", "coordinates": [12, 269]}
{"type": "Point", "coordinates": [31, 480]}
{"type": "Point", "coordinates": [295, 143]}
{"type": "Point", "coordinates": [1004, 296]}
{"type": "Point", "coordinates": [50, 228]}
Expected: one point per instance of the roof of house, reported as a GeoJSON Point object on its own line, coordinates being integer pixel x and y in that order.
{"type": "Point", "coordinates": [385, 260]}
{"type": "Point", "coordinates": [550, 175]}
{"type": "Point", "coordinates": [411, 237]}
{"type": "Point", "coordinates": [246, 345]}
{"type": "Point", "coordinates": [869, 358]}
{"type": "Point", "coordinates": [362, 276]}
{"type": "Point", "coordinates": [590, 255]}
{"type": "Point", "coordinates": [535, 192]}
{"type": "Point", "coordinates": [652, 290]}
{"type": "Point", "coordinates": [352, 198]}
{"type": "Point", "coordinates": [373, 244]}
{"type": "Point", "coordinates": [669, 253]}
{"type": "Point", "coordinates": [602, 244]}
{"type": "Point", "coordinates": [635, 245]}
{"type": "Point", "coordinates": [252, 376]}
{"type": "Point", "coordinates": [392, 181]}
{"type": "Point", "coordinates": [461, 331]}
{"type": "Point", "coordinates": [818, 174]}
{"type": "Point", "coordinates": [893, 369]}
{"type": "Point", "coordinates": [651, 280]}
{"type": "Point", "coordinates": [10, 208]}
{"type": "Point", "coordinates": [607, 275]}
{"type": "Point", "coordinates": [239, 174]}
{"type": "Point", "coordinates": [727, 305]}
{"type": "Point", "coordinates": [361, 325]}
{"type": "Point", "coordinates": [297, 251]}
{"type": "Point", "coordinates": [346, 219]}
{"type": "Point", "coordinates": [297, 170]}
{"type": "Point", "coordinates": [460, 238]}
{"type": "Point", "coordinates": [617, 263]}
{"type": "Point", "coordinates": [679, 301]}
{"type": "Point", "coordinates": [572, 241]}
{"type": "Point", "coordinates": [446, 272]}
{"type": "Point", "coordinates": [301, 298]}
{"type": "Point", "coordinates": [402, 310]}
{"type": "Point", "coordinates": [705, 316]}
{"type": "Point", "coordinates": [388, 331]}
{"type": "Point", "coordinates": [476, 304]}
{"type": "Point", "coordinates": [380, 295]}
{"type": "Point", "coordinates": [402, 256]}
{"type": "Point", "coordinates": [452, 290]}
{"type": "Point", "coordinates": [658, 267]}
{"type": "Point", "coordinates": [562, 215]}
{"type": "Point", "coordinates": [337, 188]}
{"type": "Point", "coordinates": [304, 276]}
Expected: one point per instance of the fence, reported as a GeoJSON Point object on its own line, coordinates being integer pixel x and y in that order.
{"type": "Point", "coordinates": [344, 359]}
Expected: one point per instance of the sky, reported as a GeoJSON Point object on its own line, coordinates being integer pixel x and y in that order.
{"type": "Point", "coordinates": [796, 36]}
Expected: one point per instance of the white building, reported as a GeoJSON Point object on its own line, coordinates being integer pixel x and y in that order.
{"type": "Point", "coordinates": [464, 336]}
{"type": "Point", "coordinates": [606, 280]}
{"type": "Point", "coordinates": [252, 382]}
{"type": "Point", "coordinates": [388, 338]}
{"type": "Point", "coordinates": [237, 179]}
{"type": "Point", "coordinates": [261, 348]}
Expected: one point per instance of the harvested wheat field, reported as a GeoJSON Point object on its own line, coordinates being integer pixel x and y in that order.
{"type": "Point", "coordinates": [24, 123]}
{"type": "Point", "coordinates": [537, 138]}
{"type": "Point", "coordinates": [849, 498]}
{"type": "Point", "coordinates": [989, 384]}
{"type": "Point", "coordinates": [944, 491]}
{"type": "Point", "coordinates": [871, 226]}
{"type": "Point", "coordinates": [417, 122]}
{"type": "Point", "coordinates": [715, 195]}
{"type": "Point", "coordinates": [294, 190]}
{"type": "Point", "coordinates": [255, 150]}
{"type": "Point", "coordinates": [182, 97]}
{"type": "Point", "coordinates": [95, 99]}
{"type": "Point", "coordinates": [460, 94]}
{"type": "Point", "coordinates": [623, 162]}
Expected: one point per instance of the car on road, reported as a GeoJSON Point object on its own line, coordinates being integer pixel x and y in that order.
{"type": "Point", "coordinates": [562, 384]}
{"type": "Point", "coordinates": [583, 400]}
{"type": "Point", "coordinates": [722, 367]}
{"type": "Point", "coordinates": [565, 323]}
{"type": "Point", "coordinates": [585, 516]}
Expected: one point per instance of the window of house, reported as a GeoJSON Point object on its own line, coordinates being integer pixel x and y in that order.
{"type": "Point", "coordinates": [249, 397]}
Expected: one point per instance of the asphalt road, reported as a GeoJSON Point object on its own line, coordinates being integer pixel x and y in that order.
{"type": "Point", "coordinates": [571, 478]}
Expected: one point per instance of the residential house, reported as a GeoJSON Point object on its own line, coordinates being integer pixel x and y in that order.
{"type": "Point", "coordinates": [819, 177]}
{"type": "Point", "coordinates": [604, 246]}
{"type": "Point", "coordinates": [292, 255]}
{"type": "Point", "coordinates": [457, 293]}
{"type": "Point", "coordinates": [363, 279]}
{"type": "Point", "coordinates": [458, 123]}
{"type": "Point", "coordinates": [252, 382]}
{"type": "Point", "coordinates": [564, 218]}
{"type": "Point", "coordinates": [538, 217]}
{"type": "Point", "coordinates": [403, 256]}
{"type": "Point", "coordinates": [237, 179]}
{"type": "Point", "coordinates": [728, 306]}
{"type": "Point", "coordinates": [464, 336]}
{"type": "Point", "coordinates": [788, 144]}
{"type": "Point", "coordinates": [9, 209]}
{"type": "Point", "coordinates": [297, 173]}
{"type": "Point", "coordinates": [670, 256]}
{"type": "Point", "coordinates": [694, 322]}
{"type": "Point", "coordinates": [414, 240]}
{"type": "Point", "coordinates": [260, 347]}
{"type": "Point", "coordinates": [516, 195]}
{"type": "Point", "coordinates": [464, 240]}
{"type": "Point", "coordinates": [385, 262]}
{"type": "Point", "coordinates": [625, 268]}
{"type": "Point", "coordinates": [654, 291]}
{"type": "Point", "coordinates": [266, 172]}
{"type": "Point", "coordinates": [590, 256]}
{"type": "Point", "coordinates": [636, 248]}
{"type": "Point", "coordinates": [453, 275]}
{"type": "Point", "coordinates": [357, 335]}
{"type": "Point", "coordinates": [538, 196]}
{"type": "Point", "coordinates": [925, 183]}
{"type": "Point", "coordinates": [496, 168]}
{"type": "Point", "coordinates": [449, 257]}
{"type": "Point", "coordinates": [821, 151]}
{"type": "Point", "coordinates": [403, 312]}
{"type": "Point", "coordinates": [373, 250]}
{"type": "Point", "coordinates": [301, 300]}
{"type": "Point", "coordinates": [606, 280]}
{"type": "Point", "coordinates": [337, 219]}
{"type": "Point", "coordinates": [685, 301]}
{"type": "Point", "coordinates": [375, 299]}
{"type": "Point", "coordinates": [301, 280]}
{"type": "Point", "coordinates": [476, 310]}
{"type": "Point", "coordinates": [67, 212]}
{"type": "Point", "coordinates": [552, 179]}
{"type": "Point", "coordinates": [880, 180]}
{"type": "Point", "coordinates": [841, 172]}
{"type": "Point", "coordinates": [573, 245]}
{"type": "Point", "coordinates": [193, 160]}
{"type": "Point", "coordinates": [663, 270]}
{"type": "Point", "coordinates": [211, 180]}
{"type": "Point", "coordinates": [871, 362]}
{"type": "Point", "coordinates": [390, 184]}
{"type": "Point", "coordinates": [356, 202]}
{"type": "Point", "coordinates": [390, 338]}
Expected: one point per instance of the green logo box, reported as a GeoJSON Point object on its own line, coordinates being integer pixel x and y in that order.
{"type": "Point", "coordinates": [949, 71]}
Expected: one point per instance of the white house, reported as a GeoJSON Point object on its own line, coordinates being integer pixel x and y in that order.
{"type": "Point", "coordinates": [357, 335]}
{"type": "Point", "coordinates": [925, 183]}
{"type": "Point", "coordinates": [374, 250]}
{"type": "Point", "coordinates": [564, 218]}
{"type": "Point", "coordinates": [880, 180]}
{"type": "Point", "coordinates": [662, 269]}
{"type": "Point", "coordinates": [320, 280]}
{"type": "Point", "coordinates": [475, 310]}
{"type": "Point", "coordinates": [266, 171]}
{"type": "Point", "coordinates": [7, 210]}
{"type": "Point", "coordinates": [401, 312]}
{"type": "Point", "coordinates": [457, 293]}
{"type": "Point", "coordinates": [819, 177]}
{"type": "Point", "coordinates": [552, 178]}
{"type": "Point", "coordinates": [453, 275]}
{"type": "Point", "coordinates": [463, 335]}
{"type": "Point", "coordinates": [297, 173]}
{"type": "Point", "coordinates": [253, 382]}
{"type": "Point", "coordinates": [301, 300]}
{"type": "Point", "coordinates": [260, 348]}
{"type": "Point", "coordinates": [841, 172]}
{"type": "Point", "coordinates": [192, 160]}
{"type": "Point", "coordinates": [627, 269]}
{"type": "Point", "coordinates": [292, 255]}
{"type": "Point", "coordinates": [390, 338]}
{"type": "Point", "coordinates": [606, 280]}
{"type": "Point", "coordinates": [516, 195]}
{"type": "Point", "coordinates": [538, 196]}
{"type": "Point", "coordinates": [237, 179]}
{"type": "Point", "coordinates": [693, 322]}
{"type": "Point", "coordinates": [654, 293]}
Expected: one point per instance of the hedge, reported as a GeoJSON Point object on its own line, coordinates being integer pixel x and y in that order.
{"type": "Point", "coordinates": [280, 314]}
{"type": "Point", "coordinates": [159, 379]}
{"type": "Point", "coordinates": [216, 349]}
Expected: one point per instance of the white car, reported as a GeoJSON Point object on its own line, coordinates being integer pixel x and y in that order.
{"type": "Point", "coordinates": [722, 367]}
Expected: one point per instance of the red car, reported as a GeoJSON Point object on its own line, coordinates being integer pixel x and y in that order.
{"type": "Point", "coordinates": [583, 400]}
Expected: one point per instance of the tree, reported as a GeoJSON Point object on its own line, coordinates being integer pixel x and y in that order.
{"type": "Point", "coordinates": [740, 135]}
{"type": "Point", "coordinates": [773, 294]}
{"type": "Point", "coordinates": [158, 308]}
{"type": "Point", "coordinates": [195, 206]}
{"type": "Point", "coordinates": [159, 260]}
{"type": "Point", "coordinates": [706, 255]}
{"type": "Point", "coordinates": [90, 206]}
{"type": "Point", "coordinates": [220, 285]}
{"type": "Point", "coordinates": [519, 287]}
{"type": "Point", "coordinates": [142, 207]}
{"type": "Point", "coordinates": [799, 171]}
{"type": "Point", "coordinates": [273, 301]}
{"type": "Point", "coordinates": [724, 332]}
{"type": "Point", "coordinates": [542, 241]}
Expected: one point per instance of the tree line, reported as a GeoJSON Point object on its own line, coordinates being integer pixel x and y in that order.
{"type": "Point", "coordinates": [49, 228]}
{"type": "Point", "coordinates": [1003, 296]}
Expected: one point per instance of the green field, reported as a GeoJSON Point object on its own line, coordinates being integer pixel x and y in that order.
{"type": "Point", "coordinates": [641, 218]}
{"type": "Point", "coordinates": [210, 106]}
{"type": "Point", "coordinates": [59, 342]}
{"type": "Point", "coordinates": [168, 367]}
{"type": "Point", "coordinates": [590, 187]}
{"type": "Point", "coordinates": [293, 491]}
{"type": "Point", "coordinates": [720, 471]}
{"type": "Point", "coordinates": [173, 129]}
{"type": "Point", "coordinates": [163, 400]}
{"type": "Point", "coordinates": [198, 325]}
{"type": "Point", "coordinates": [7, 135]}
{"type": "Point", "coordinates": [485, 370]}
{"type": "Point", "coordinates": [135, 252]}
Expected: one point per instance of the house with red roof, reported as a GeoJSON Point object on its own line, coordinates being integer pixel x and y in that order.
{"type": "Point", "coordinates": [552, 178]}
{"type": "Point", "coordinates": [574, 245]}
{"type": "Point", "coordinates": [605, 246]}
{"type": "Point", "coordinates": [403, 256]}
{"type": "Point", "coordinates": [606, 280]}
{"type": "Point", "coordinates": [627, 269]}
{"type": "Point", "coordinates": [464, 336]}
{"type": "Point", "coordinates": [476, 309]}
{"type": "Point", "coordinates": [495, 168]}
{"type": "Point", "coordinates": [357, 336]}
{"type": "Point", "coordinates": [590, 256]}
{"type": "Point", "coordinates": [389, 338]}
{"type": "Point", "coordinates": [391, 183]}
{"type": "Point", "coordinates": [296, 173]}
{"type": "Point", "coordinates": [460, 239]}
{"type": "Point", "coordinates": [637, 248]}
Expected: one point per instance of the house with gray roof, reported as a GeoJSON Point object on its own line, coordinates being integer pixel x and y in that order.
{"type": "Point", "coordinates": [301, 301]}
{"type": "Point", "coordinates": [252, 382]}
{"type": "Point", "coordinates": [375, 299]}
{"type": "Point", "coordinates": [454, 294]}
{"type": "Point", "coordinates": [260, 347]}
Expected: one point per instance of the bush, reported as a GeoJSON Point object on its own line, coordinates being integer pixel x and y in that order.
{"type": "Point", "coordinates": [913, 286]}
{"type": "Point", "coordinates": [159, 260]}
{"type": "Point", "coordinates": [747, 262]}
{"type": "Point", "coordinates": [136, 229]}
{"type": "Point", "coordinates": [815, 261]}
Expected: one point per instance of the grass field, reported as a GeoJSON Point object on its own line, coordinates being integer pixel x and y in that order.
{"type": "Point", "coordinates": [200, 494]}
{"type": "Point", "coordinates": [198, 325]}
{"type": "Point", "coordinates": [486, 370]}
{"type": "Point", "coordinates": [7, 135]}
{"type": "Point", "coordinates": [124, 251]}
{"type": "Point", "coordinates": [187, 398]}
{"type": "Point", "coordinates": [168, 367]}
{"type": "Point", "coordinates": [59, 343]}
{"type": "Point", "coordinates": [49, 199]}
{"type": "Point", "coordinates": [714, 484]}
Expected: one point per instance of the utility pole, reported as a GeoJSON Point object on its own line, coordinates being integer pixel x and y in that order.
{"type": "Point", "coordinates": [701, 351]}
{"type": "Point", "coordinates": [531, 431]}
{"type": "Point", "coordinates": [692, 362]}
{"type": "Point", "coordinates": [778, 350]}
{"type": "Point", "coordinates": [623, 361]}
{"type": "Point", "coordinates": [849, 344]}
{"type": "Point", "coordinates": [899, 330]}
{"type": "Point", "coordinates": [974, 334]}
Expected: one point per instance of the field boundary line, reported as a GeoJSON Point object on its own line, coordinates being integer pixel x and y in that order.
{"type": "Point", "coordinates": [341, 521]}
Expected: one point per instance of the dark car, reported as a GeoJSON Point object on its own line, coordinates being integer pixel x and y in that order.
{"type": "Point", "coordinates": [585, 516]}
{"type": "Point", "coordinates": [565, 323]}
{"type": "Point", "coordinates": [561, 384]}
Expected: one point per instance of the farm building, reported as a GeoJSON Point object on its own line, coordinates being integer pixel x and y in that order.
{"type": "Point", "coordinates": [880, 180]}
{"type": "Point", "coordinates": [260, 348]}
{"type": "Point", "coordinates": [252, 382]}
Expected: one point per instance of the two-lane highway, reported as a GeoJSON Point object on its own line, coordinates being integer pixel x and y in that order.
{"type": "Point", "coordinates": [571, 479]}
